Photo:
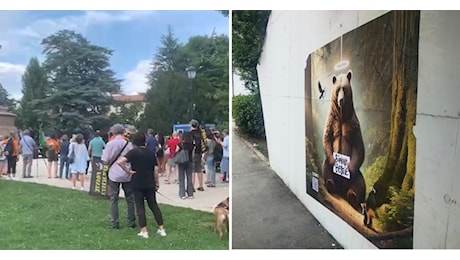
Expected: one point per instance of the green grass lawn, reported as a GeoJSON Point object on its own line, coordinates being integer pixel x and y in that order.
{"type": "Point", "coordinates": [36, 216]}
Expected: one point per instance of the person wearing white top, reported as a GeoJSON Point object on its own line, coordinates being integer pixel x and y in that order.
{"type": "Point", "coordinates": [78, 166]}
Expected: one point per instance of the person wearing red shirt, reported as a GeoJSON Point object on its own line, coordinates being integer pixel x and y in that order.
{"type": "Point", "coordinates": [171, 146]}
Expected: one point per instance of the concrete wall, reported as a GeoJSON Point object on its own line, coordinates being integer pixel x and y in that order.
{"type": "Point", "coordinates": [291, 36]}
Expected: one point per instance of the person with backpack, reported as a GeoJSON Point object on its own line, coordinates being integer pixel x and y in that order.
{"type": "Point", "coordinates": [52, 148]}
{"type": "Point", "coordinates": [197, 156]}
{"type": "Point", "coordinates": [11, 152]}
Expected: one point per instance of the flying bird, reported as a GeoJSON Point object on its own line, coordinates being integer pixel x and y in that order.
{"type": "Point", "coordinates": [321, 90]}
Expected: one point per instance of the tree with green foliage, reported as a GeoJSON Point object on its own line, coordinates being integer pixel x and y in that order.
{"type": "Point", "coordinates": [210, 55]}
{"type": "Point", "coordinates": [5, 101]}
{"type": "Point", "coordinates": [248, 37]}
{"type": "Point", "coordinates": [127, 113]}
{"type": "Point", "coordinates": [81, 84]}
{"type": "Point", "coordinates": [34, 87]}
{"type": "Point", "coordinates": [169, 98]}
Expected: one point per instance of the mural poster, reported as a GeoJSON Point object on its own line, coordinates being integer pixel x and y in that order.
{"type": "Point", "coordinates": [360, 108]}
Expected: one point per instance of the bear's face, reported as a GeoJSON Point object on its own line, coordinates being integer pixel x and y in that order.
{"type": "Point", "coordinates": [342, 96]}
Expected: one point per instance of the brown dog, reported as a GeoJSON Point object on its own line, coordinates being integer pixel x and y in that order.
{"type": "Point", "coordinates": [221, 213]}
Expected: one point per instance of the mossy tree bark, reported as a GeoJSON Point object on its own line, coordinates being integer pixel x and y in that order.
{"type": "Point", "coordinates": [400, 167]}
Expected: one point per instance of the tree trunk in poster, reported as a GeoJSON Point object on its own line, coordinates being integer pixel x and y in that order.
{"type": "Point", "coordinates": [400, 167]}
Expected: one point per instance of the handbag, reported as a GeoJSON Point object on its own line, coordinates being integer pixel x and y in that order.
{"type": "Point", "coordinates": [71, 157]}
{"type": "Point", "coordinates": [181, 156]}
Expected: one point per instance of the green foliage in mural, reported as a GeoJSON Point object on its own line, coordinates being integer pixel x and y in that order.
{"type": "Point", "coordinates": [400, 212]}
{"type": "Point", "coordinates": [374, 171]}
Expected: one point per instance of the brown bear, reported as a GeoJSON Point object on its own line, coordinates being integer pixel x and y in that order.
{"type": "Point", "coordinates": [342, 135]}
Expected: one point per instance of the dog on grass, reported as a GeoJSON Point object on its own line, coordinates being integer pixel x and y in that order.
{"type": "Point", "coordinates": [221, 214]}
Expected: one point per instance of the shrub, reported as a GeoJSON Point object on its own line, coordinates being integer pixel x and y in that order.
{"type": "Point", "coordinates": [248, 115]}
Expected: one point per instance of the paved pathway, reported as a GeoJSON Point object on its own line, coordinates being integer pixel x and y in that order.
{"type": "Point", "coordinates": [265, 213]}
{"type": "Point", "coordinates": [203, 200]}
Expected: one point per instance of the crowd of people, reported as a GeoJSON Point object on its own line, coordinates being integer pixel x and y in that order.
{"type": "Point", "coordinates": [134, 162]}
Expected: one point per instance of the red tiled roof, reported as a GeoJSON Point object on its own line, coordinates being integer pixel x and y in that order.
{"type": "Point", "coordinates": [129, 98]}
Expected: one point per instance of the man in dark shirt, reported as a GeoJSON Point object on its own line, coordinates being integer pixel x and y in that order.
{"type": "Point", "coordinates": [197, 169]}
{"type": "Point", "coordinates": [152, 145]}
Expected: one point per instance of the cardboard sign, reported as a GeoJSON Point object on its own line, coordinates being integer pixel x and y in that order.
{"type": "Point", "coordinates": [99, 181]}
{"type": "Point", "coordinates": [341, 165]}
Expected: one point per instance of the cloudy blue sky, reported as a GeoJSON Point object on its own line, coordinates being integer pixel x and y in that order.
{"type": "Point", "coordinates": [133, 35]}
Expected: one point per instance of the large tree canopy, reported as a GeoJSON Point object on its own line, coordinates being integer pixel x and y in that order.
{"type": "Point", "coordinates": [81, 84]}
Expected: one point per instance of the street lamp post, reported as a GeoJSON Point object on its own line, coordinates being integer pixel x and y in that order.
{"type": "Point", "coordinates": [191, 73]}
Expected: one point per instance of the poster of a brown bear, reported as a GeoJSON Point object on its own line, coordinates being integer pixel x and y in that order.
{"type": "Point", "coordinates": [360, 108]}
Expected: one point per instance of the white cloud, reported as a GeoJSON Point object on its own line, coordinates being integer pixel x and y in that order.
{"type": "Point", "coordinates": [10, 78]}
{"type": "Point", "coordinates": [44, 27]}
{"type": "Point", "coordinates": [135, 80]}
{"type": "Point", "coordinates": [20, 38]}
{"type": "Point", "coordinates": [21, 34]}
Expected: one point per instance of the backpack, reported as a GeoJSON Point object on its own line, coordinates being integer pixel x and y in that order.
{"type": "Point", "coordinates": [196, 140]}
{"type": "Point", "coordinates": [9, 149]}
{"type": "Point", "coordinates": [50, 149]}
{"type": "Point", "coordinates": [218, 152]}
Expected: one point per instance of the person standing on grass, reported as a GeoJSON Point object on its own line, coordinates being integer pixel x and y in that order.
{"type": "Point", "coordinates": [117, 177]}
{"type": "Point", "coordinates": [78, 167]}
{"type": "Point", "coordinates": [144, 181]}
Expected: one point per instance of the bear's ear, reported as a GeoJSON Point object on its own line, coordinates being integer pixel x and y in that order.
{"type": "Point", "coordinates": [349, 74]}
{"type": "Point", "coordinates": [334, 79]}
